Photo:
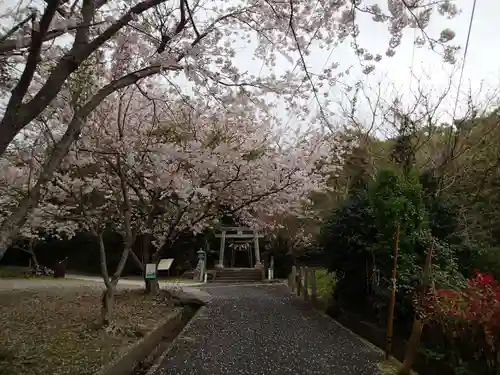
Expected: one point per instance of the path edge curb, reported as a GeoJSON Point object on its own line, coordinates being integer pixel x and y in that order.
{"type": "Point", "coordinates": [154, 368]}
{"type": "Point", "coordinates": [141, 349]}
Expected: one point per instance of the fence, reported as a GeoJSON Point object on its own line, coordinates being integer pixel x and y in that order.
{"type": "Point", "coordinates": [302, 280]}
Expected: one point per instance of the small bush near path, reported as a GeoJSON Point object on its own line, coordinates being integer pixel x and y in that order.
{"type": "Point", "coordinates": [325, 282]}
{"type": "Point", "coordinates": [45, 332]}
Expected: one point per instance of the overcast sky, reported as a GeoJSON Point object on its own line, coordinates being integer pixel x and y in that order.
{"type": "Point", "coordinates": [482, 66]}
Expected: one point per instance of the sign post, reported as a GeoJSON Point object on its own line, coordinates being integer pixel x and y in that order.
{"type": "Point", "coordinates": [150, 271]}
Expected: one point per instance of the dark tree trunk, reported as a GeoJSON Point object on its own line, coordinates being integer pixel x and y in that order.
{"type": "Point", "coordinates": [152, 285]}
{"type": "Point", "coordinates": [107, 305]}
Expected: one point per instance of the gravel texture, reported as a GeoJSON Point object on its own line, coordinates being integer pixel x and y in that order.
{"type": "Point", "coordinates": [263, 330]}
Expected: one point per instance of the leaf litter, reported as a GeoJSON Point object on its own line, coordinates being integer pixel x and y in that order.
{"type": "Point", "coordinates": [57, 331]}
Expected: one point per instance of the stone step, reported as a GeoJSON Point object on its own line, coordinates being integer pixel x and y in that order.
{"type": "Point", "coordinates": [236, 275]}
{"type": "Point", "coordinates": [226, 275]}
{"type": "Point", "coordinates": [235, 281]}
{"type": "Point", "coordinates": [237, 278]}
{"type": "Point", "coordinates": [230, 274]}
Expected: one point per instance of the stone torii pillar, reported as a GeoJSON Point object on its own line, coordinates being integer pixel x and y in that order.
{"type": "Point", "coordinates": [258, 264]}
{"type": "Point", "coordinates": [221, 250]}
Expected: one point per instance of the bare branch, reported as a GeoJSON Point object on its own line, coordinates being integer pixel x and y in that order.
{"type": "Point", "coordinates": [18, 115]}
{"type": "Point", "coordinates": [165, 38]}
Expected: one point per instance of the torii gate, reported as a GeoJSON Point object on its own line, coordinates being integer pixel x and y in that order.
{"type": "Point", "coordinates": [241, 233]}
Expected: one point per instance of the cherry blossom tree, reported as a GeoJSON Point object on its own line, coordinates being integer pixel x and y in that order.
{"type": "Point", "coordinates": [91, 193]}
{"type": "Point", "coordinates": [148, 165]}
{"type": "Point", "coordinates": [59, 60]}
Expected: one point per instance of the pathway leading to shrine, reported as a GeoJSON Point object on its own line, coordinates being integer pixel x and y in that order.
{"type": "Point", "coordinates": [263, 330]}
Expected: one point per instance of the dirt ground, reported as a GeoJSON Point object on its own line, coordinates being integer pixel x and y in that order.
{"type": "Point", "coordinates": [55, 330]}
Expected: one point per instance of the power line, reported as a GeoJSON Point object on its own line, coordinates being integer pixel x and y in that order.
{"type": "Point", "coordinates": [464, 60]}
{"type": "Point", "coordinates": [311, 100]}
{"type": "Point", "coordinates": [310, 41]}
{"type": "Point", "coordinates": [449, 155]}
{"type": "Point", "coordinates": [412, 59]}
{"type": "Point", "coordinates": [322, 69]}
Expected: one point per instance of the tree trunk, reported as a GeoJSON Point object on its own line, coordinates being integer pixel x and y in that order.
{"type": "Point", "coordinates": [107, 305]}
{"type": "Point", "coordinates": [152, 286]}
{"type": "Point", "coordinates": [413, 345]}
{"type": "Point", "coordinates": [32, 253]}
{"type": "Point", "coordinates": [418, 322]}
{"type": "Point", "coordinates": [35, 260]}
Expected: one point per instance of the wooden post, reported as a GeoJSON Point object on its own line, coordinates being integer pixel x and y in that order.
{"type": "Point", "coordinates": [418, 322]}
{"type": "Point", "coordinates": [299, 281]}
{"type": "Point", "coordinates": [313, 285]}
{"type": "Point", "coordinates": [293, 278]}
{"type": "Point", "coordinates": [392, 303]}
{"type": "Point", "coordinates": [306, 284]}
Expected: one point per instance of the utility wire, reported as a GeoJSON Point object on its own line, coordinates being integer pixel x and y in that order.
{"type": "Point", "coordinates": [464, 60]}
{"type": "Point", "coordinates": [310, 41]}
{"type": "Point", "coordinates": [412, 59]}
{"type": "Point", "coordinates": [311, 100]}
{"type": "Point", "coordinates": [449, 155]}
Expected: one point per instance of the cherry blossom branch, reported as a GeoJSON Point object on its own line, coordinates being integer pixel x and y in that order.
{"type": "Point", "coordinates": [60, 9]}
{"type": "Point", "coordinates": [10, 227]}
{"type": "Point", "coordinates": [165, 38]}
{"type": "Point", "coordinates": [306, 71]}
{"type": "Point", "coordinates": [18, 115]}
{"type": "Point", "coordinates": [10, 45]}
{"type": "Point", "coordinates": [21, 88]}
{"type": "Point", "coordinates": [191, 18]}
{"type": "Point", "coordinates": [17, 26]}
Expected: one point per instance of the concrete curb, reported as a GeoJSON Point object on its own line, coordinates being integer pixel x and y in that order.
{"type": "Point", "coordinates": [154, 368]}
{"type": "Point", "coordinates": [126, 363]}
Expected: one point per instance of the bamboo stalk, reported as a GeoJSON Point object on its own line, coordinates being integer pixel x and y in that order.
{"type": "Point", "coordinates": [392, 303]}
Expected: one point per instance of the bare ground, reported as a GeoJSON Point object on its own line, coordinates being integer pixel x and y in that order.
{"type": "Point", "coordinates": [54, 330]}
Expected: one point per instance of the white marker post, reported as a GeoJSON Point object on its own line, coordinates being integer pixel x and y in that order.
{"type": "Point", "coordinates": [151, 271]}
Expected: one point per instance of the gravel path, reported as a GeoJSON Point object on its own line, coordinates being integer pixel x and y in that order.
{"type": "Point", "coordinates": [263, 330]}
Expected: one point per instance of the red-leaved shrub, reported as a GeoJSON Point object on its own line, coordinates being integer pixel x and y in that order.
{"type": "Point", "coordinates": [470, 321]}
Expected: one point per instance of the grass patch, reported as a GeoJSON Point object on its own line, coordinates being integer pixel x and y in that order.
{"type": "Point", "coordinates": [45, 332]}
{"type": "Point", "coordinates": [325, 282]}
{"type": "Point", "coordinates": [14, 272]}
{"type": "Point", "coordinates": [11, 272]}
